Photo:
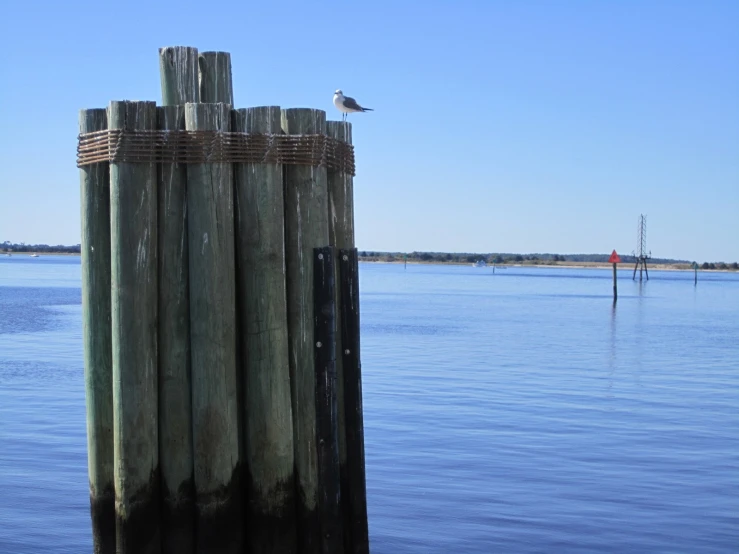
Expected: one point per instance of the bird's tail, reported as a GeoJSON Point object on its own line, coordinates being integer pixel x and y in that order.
{"type": "Point", "coordinates": [367, 110]}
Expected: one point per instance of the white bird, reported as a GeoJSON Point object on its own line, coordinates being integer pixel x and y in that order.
{"type": "Point", "coordinates": [347, 104]}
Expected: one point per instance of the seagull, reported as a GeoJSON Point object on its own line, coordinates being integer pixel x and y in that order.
{"type": "Point", "coordinates": [347, 104]}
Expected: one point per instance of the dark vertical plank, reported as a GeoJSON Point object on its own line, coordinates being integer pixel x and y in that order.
{"type": "Point", "coordinates": [219, 526]}
{"type": "Point", "coordinates": [96, 333]}
{"type": "Point", "coordinates": [133, 214]}
{"type": "Point", "coordinates": [324, 315]}
{"type": "Point", "coordinates": [306, 228]}
{"type": "Point", "coordinates": [263, 336]}
{"type": "Point", "coordinates": [357, 490]}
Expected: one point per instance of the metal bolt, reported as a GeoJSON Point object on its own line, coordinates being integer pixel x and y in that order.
{"type": "Point", "coordinates": [320, 256]}
{"type": "Point", "coordinates": [346, 351]}
{"type": "Point", "coordinates": [345, 258]}
{"type": "Point", "coordinates": [318, 344]}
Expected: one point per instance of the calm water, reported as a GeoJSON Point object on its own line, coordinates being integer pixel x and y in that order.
{"type": "Point", "coordinates": [507, 412]}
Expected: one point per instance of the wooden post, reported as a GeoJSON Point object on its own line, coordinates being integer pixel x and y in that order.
{"type": "Point", "coordinates": [263, 334]}
{"type": "Point", "coordinates": [695, 268]}
{"type": "Point", "coordinates": [179, 77]}
{"type": "Point", "coordinates": [215, 78]}
{"type": "Point", "coordinates": [178, 71]}
{"type": "Point", "coordinates": [357, 488]}
{"type": "Point", "coordinates": [306, 226]}
{"type": "Point", "coordinates": [213, 342]}
{"type": "Point", "coordinates": [341, 235]}
{"type": "Point", "coordinates": [615, 288]}
{"type": "Point", "coordinates": [96, 333]}
{"type": "Point", "coordinates": [133, 215]}
{"type": "Point", "coordinates": [216, 87]}
{"type": "Point", "coordinates": [324, 310]}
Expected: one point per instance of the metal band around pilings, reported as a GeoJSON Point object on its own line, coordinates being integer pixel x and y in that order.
{"type": "Point", "coordinates": [118, 145]}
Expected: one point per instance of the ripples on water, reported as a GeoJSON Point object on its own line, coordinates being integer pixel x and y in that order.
{"type": "Point", "coordinates": [515, 412]}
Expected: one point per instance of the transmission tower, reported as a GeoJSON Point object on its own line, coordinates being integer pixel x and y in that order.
{"type": "Point", "coordinates": [641, 253]}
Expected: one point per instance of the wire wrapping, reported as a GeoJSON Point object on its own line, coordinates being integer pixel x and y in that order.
{"type": "Point", "coordinates": [118, 145]}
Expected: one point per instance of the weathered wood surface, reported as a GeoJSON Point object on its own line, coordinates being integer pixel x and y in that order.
{"type": "Point", "coordinates": [133, 214]}
{"type": "Point", "coordinates": [356, 488]}
{"type": "Point", "coordinates": [96, 333]}
{"type": "Point", "coordinates": [263, 335]}
{"type": "Point", "coordinates": [341, 235]}
{"type": "Point", "coordinates": [216, 85]}
{"type": "Point", "coordinates": [175, 407]}
{"type": "Point", "coordinates": [324, 318]}
{"type": "Point", "coordinates": [178, 71]}
{"type": "Point", "coordinates": [306, 227]}
{"type": "Point", "coordinates": [213, 342]}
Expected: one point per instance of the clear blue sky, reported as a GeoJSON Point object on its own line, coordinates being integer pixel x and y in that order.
{"type": "Point", "coordinates": [532, 126]}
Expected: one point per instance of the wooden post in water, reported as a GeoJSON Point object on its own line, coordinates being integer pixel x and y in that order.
{"type": "Point", "coordinates": [96, 326]}
{"type": "Point", "coordinates": [614, 259]}
{"type": "Point", "coordinates": [356, 489]}
{"type": "Point", "coordinates": [341, 235]}
{"type": "Point", "coordinates": [615, 287]}
{"type": "Point", "coordinates": [324, 310]}
{"type": "Point", "coordinates": [133, 215]}
{"type": "Point", "coordinates": [213, 342]}
{"type": "Point", "coordinates": [179, 77]}
{"type": "Point", "coordinates": [215, 78]}
{"type": "Point", "coordinates": [306, 228]}
{"type": "Point", "coordinates": [695, 269]}
{"type": "Point", "coordinates": [260, 252]}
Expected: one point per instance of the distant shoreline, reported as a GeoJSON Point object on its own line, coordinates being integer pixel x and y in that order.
{"type": "Point", "coordinates": [564, 265]}
{"type": "Point", "coordinates": [40, 253]}
{"type": "Point", "coordinates": [526, 263]}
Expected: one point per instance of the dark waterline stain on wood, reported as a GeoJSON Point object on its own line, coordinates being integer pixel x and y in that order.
{"type": "Point", "coordinates": [138, 529]}
{"type": "Point", "coordinates": [220, 527]}
{"type": "Point", "coordinates": [102, 513]}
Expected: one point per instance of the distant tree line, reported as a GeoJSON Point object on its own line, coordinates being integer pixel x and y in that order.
{"type": "Point", "coordinates": [510, 258]}
{"type": "Point", "coordinates": [8, 246]}
{"type": "Point", "coordinates": [719, 265]}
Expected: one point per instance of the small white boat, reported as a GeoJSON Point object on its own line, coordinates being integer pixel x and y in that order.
{"type": "Point", "coordinates": [480, 263]}
{"type": "Point", "coordinates": [34, 255]}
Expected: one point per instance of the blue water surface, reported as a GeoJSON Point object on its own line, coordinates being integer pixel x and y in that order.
{"type": "Point", "coordinates": [515, 411]}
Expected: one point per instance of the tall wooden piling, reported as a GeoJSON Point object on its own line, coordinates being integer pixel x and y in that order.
{"type": "Point", "coordinates": [179, 75]}
{"type": "Point", "coordinates": [215, 78]}
{"type": "Point", "coordinates": [179, 78]}
{"type": "Point", "coordinates": [213, 342]}
{"type": "Point", "coordinates": [341, 235]}
{"type": "Point", "coordinates": [306, 228]}
{"type": "Point", "coordinates": [133, 214]}
{"type": "Point", "coordinates": [260, 252]}
{"type": "Point", "coordinates": [355, 489]}
{"type": "Point", "coordinates": [95, 249]}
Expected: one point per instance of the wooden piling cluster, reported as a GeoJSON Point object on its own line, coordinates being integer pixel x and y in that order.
{"type": "Point", "coordinates": [221, 329]}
